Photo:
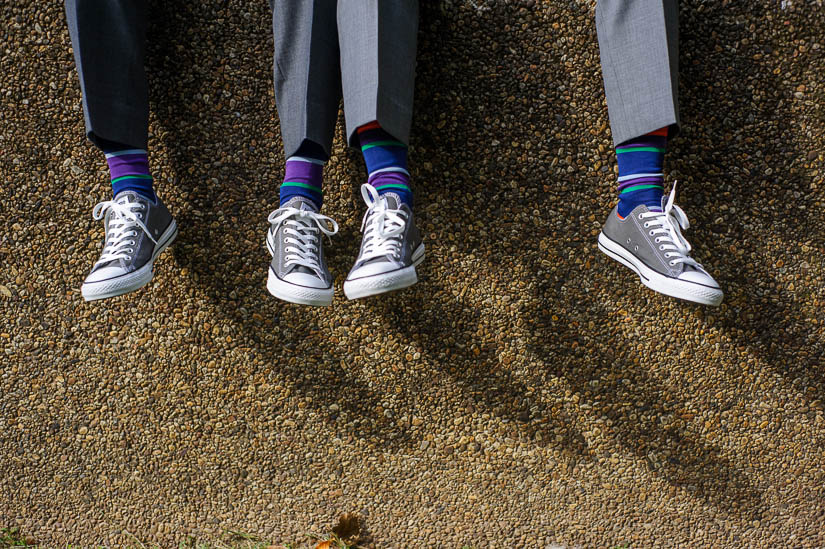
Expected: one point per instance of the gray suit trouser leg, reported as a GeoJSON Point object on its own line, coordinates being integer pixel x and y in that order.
{"type": "Point", "coordinates": [363, 50]}
{"type": "Point", "coordinates": [378, 44]}
{"type": "Point", "coordinates": [109, 42]}
{"type": "Point", "coordinates": [639, 47]}
{"type": "Point", "coordinates": [371, 43]}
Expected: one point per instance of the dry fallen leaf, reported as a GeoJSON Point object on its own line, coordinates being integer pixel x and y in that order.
{"type": "Point", "coordinates": [348, 528]}
{"type": "Point", "coordinates": [324, 545]}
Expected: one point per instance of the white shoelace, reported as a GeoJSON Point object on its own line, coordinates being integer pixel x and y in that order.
{"type": "Point", "coordinates": [666, 227]}
{"type": "Point", "coordinates": [382, 227]}
{"type": "Point", "coordinates": [122, 219]}
{"type": "Point", "coordinates": [301, 232]}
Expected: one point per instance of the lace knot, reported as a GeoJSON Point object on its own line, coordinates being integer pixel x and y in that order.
{"type": "Point", "coordinates": [381, 225]}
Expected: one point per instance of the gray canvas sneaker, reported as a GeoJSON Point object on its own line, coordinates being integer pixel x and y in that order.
{"type": "Point", "coordinates": [651, 243]}
{"type": "Point", "coordinates": [137, 230]}
{"type": "Point", "coordinates": [298, 272]}
{"type": "Point", "coordinates": [390, 249]}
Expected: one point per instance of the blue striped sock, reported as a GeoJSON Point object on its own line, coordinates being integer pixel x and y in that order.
{"type": "Point", "coordinates": [386, 160]}
{"type": "Point", "coordinates": [641, 175]}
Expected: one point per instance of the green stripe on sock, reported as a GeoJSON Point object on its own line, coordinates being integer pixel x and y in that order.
{"type": "Point", "coordinates": [383, 144]}
{"type": "Point", "coordinates": [302, 185]}
{"type": "Point", "coordinates": [639, 188]}
{"type": "Point", "coordinates": [402, 187]}
{"type": "Point", "coordinates": [127, 177]}
{"type": "Point", "coordinates": [640, 149]}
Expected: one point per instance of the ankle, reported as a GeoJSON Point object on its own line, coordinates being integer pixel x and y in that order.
{"type": "Point", "coordinates": [304, 175]}
{"type": "Point", "coordinates": [393, 182]}
{"type": "Point", "coordinates": [129, 170]}
{"type": "Point", "coordinates": [386, 160]}
{"type": "Point", "coordinates": [641, 175]}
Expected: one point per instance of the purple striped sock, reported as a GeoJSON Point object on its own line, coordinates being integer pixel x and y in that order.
{"type": "Point", "coordinates": [303, 177]}
{"type": "Point", "coordinates": [129, 170]}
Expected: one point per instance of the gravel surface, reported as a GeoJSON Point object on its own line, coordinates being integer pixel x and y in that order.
{"type": "Point", "coordinates": [527, 392]}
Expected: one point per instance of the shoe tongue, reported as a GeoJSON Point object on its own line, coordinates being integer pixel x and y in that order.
{"type": "Point", "coordinates": [393, 201]}
{"type": "Point", "coordinates": [300, 203]}
{"type": "Point", "coordinates": [305, 205]}
{"type": "Point", "coordinates": [125, 197]}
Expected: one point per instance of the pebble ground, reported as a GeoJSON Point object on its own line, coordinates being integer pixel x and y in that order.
{"type": "Point", "coordinates": [528, 392]}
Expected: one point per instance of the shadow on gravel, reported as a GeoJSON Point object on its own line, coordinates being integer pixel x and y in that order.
{"type": "Point", "coordinates": [643, 414]}
{"type": "Point", "coordinates": [726, 199]}
{"type": "Point", "coordinates": [557, 315]}
{"type": "Point", "coordinates": [764, 313]}
{"type": "Point", "coordinates": [222, 227]}
{"type": "Point", "coordinates": [216, 226]}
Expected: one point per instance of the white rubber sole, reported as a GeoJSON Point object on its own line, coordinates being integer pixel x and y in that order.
{"type": "Point", "coordinates": [673, 287]}
{"type": "Point", "coordinates": [114, 287]}
{"type": "Point", "coordinates": [385, 282]}
{"type": "Point", "coordinates": [302, 295]}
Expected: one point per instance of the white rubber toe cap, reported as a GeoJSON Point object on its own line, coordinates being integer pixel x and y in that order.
{"type": "Point", "coordinates": [104, 274]}
{"type": "Point", "coordinates": [306, 280]}
{"type": "Point", "coordinates": [698, 277]}
{"type": "Point", "coordinates": [372, 269]}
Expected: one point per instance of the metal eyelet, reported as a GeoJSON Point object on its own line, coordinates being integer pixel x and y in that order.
{"type": "Point", "coordinates": [650, 233]}
{"type": "Point", "coordinates": [628, 241]}
{"type": "Point", "coordinates": [647, 224]}
{"type": "Point", "coordinates": [635, 248]}
{"type": "Point", "coordinates": [671, 263]}
{"type": "Point", "coordinates": [640, 216]}
{"type": "Point", "coordinates": [131, 242]}
{"type": "Point", "coordinates": [662, 247]}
